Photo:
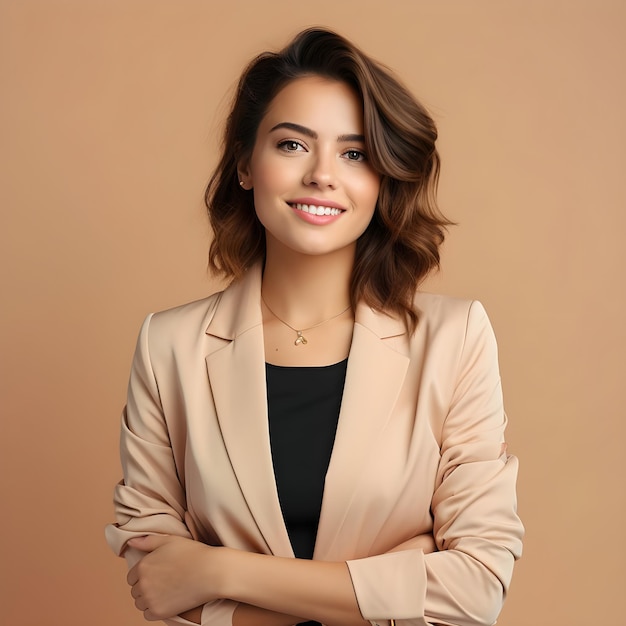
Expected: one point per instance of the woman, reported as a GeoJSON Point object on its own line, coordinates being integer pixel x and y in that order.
{"type": "Point", "coordinates": [320, 407]}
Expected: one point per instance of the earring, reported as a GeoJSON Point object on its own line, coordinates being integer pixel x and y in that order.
{"type": "Point", "coordinates": [241, 183]}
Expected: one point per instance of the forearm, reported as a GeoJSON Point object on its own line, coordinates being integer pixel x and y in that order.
{"type": "Point", "coordinates": [316, 590]}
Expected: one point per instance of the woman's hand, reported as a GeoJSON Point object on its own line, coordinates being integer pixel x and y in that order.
{"type": "Point", "coordinates": [174, 576]}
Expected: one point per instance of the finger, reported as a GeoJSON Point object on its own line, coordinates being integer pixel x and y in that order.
{"type": "Point", "coordinates": [132, 577]}
{"type": "Point", "coordinates": [150, 617]}
{"type": "Point", "coordinates": [148, 543]}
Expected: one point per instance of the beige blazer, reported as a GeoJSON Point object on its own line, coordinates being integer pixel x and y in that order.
{"type": "Point", "coordinates": [419, 496]}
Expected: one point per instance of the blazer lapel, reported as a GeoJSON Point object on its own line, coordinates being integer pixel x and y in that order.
{"type": "Point", "coordinates": [236, 369]}
{"type": "Point", "coordinates": [235, 361]}
{"type": "Point", "coordinates": [377, 366]}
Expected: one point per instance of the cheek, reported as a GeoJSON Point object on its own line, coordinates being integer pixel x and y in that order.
{"type": "Point", "coordinates": [369, 192]}
{"type": "Point", "coordinates": [270, 173]}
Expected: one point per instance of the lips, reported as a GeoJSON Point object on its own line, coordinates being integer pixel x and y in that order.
{"type": "Point", "coordinates": [314, 209]}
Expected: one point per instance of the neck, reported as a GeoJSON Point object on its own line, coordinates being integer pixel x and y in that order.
{"type": "Point", "coordinates": [305, 289]}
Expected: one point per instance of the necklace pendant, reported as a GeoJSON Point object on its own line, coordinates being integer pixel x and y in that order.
{"type": "Point", "coordinates": [300, 339]}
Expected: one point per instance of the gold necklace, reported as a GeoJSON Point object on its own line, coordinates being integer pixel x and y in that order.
{"type": "Point", "coordinates": [300, 338]}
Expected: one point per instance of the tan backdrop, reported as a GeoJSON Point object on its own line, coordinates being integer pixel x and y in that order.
{"type": "Point", "coordinates": [109, 121]}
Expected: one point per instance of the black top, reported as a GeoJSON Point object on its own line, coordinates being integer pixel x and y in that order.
{"type": "Point", "coordinates": [303, 408]}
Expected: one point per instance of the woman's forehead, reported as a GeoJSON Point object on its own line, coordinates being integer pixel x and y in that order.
{"type": "Point", "coordinates": [318, 103]}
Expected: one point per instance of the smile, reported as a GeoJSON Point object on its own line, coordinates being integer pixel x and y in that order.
{"type": "Point", "coordinates": [316, 210]}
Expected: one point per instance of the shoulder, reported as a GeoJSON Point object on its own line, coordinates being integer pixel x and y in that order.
{"type": "Point", "coordinates": [196, 312]}
{"type": "Point", "coordinates": [180, 325]}
{"type": "Point", "coordinates": [459, 325]}
{"type": "Point", "coordinates": [436, 310]}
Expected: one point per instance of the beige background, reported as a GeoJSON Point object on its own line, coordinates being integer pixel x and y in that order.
{"type": "Point", "coordinates": [110, 116]}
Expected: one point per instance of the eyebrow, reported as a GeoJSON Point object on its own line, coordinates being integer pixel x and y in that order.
{"type": "Point", "coordinates": [311, 133]}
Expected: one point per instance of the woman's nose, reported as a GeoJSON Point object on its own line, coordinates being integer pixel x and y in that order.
{"type": "Point", "coordinates": [322, 171]}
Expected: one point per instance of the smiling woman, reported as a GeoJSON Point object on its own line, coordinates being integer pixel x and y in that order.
{"type": "Point", "coordinates": [321, 442]}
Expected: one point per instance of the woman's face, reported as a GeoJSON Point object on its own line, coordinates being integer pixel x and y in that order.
{"type": "Point", "coordinates": [315, 191]}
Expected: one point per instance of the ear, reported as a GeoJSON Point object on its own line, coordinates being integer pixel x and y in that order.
{"type": "Point", "coordinates": [244, 176]}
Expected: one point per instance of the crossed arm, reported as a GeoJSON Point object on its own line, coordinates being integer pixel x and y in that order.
{"type": "Point", "coordinates": [177, 574]}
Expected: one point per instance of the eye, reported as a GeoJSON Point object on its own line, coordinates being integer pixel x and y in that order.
{"type": "Point", "coordinates": [355, 155]}
{"type": "Point", "coordinates": [290, 145]}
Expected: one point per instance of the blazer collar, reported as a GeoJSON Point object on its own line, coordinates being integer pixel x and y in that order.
{"type": "Point", "coordinates": [239, 308]}
{"type": "Point", "coordinates": [235, 361]}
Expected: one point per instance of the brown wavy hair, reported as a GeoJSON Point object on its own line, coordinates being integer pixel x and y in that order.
{"type": "Point", "coordinates": [401, 244]}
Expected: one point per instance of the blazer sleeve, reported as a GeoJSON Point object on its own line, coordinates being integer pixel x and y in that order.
{"type": "Point", "coordinates": [150, 498]}
{"type": "Point", "coordinates": [476, 529]}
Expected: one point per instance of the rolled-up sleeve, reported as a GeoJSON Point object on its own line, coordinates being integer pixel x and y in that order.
{"type": "Point", "coordinates": [150, 499]}
{"type": "Point", "coordinates": [477, 532]}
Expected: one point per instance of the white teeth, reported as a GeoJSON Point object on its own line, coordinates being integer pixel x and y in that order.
{"type": "Point", "coordinates": [317, 210]}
